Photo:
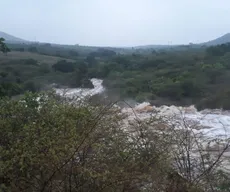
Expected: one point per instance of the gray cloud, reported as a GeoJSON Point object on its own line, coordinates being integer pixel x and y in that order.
{"type": "Point", "coordinates": [116, 22]}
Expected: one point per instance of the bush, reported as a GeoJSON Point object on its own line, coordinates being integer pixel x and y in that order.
{"type": "Point", "coordinates": [64, 66]}
{"type": "Point", "coordinates": [50, 145]}
{"type": "Point", "coordinates": [172, 91]}
{"type": "Point", "coordinates": [44, 68]}
{"type": "Point", "coordinates": [141, 97]}
{"type": "Point", "coordinates": [30, 86]}
{"type": "Point", "coordinates": [86, 83]}
{"type": "Point", "coordinates": [30, 62]}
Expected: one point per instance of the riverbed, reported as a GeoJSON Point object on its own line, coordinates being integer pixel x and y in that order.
{"type": "Point", "coordinates": [210, 123]}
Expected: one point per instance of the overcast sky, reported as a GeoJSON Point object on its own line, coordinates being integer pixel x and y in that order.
{"type": "Point", "coordinates": [115, 22]}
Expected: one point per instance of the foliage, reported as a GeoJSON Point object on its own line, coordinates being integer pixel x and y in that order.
{"type": "Point", "coordinates": [218, 50]}
{"type": "Point", "coordinates": [33, 75]}
{"type": "Point", "coordinates": [63, 66]}
{"type": "Point", "coordinates": [8, 88]}
{"type": "Point", "coordinates": [3, 47]}
{"type": "Point", "coordinates": [50, 145]}
{"type": "Point", "coordinates": [180, 75]}
{"type": "Point", "coordinates": [102, 52]}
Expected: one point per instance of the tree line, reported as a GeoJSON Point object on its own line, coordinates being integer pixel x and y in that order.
{"type": "Point", "coordinates": [188, 76]}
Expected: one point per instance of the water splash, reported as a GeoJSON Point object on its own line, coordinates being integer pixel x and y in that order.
{"type": "Point", "coordinates": [83, 92]}
{"type": "Point", "coordinates": [211, 123]}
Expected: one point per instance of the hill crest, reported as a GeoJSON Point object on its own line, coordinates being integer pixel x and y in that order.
{"type": "Point", "coordinates": [11, 38]}
{"type": "Point", "coordinates": [218, 41]}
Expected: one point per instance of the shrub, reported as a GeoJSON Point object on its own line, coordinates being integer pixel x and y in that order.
{"type": "Point", "coordinates": [64, 66]}
{"type": "Point", "coordinates": [30, 62]}
{"type": "Point", "coordinates": [50, 145]}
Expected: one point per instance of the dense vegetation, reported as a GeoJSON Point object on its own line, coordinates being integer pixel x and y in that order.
{"type": "Point", "coordinates": [50, 144]}
{"type": "Point", "coordinates": [180, 76]}
{"type": "Point", "coordinates": [197, 76]}
{"type": "Point", "coordinates": [193, 76]}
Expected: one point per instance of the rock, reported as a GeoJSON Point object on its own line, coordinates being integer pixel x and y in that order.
{"type": "Point", "coordinates": [146, 109]}
{"type": "Point", "coordinates": [190, 109]}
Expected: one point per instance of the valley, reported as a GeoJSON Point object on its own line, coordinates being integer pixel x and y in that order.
{"type": "Point", "coordinates": [165, 107]}
{"type": "Point", "coordinates": [114, 96]}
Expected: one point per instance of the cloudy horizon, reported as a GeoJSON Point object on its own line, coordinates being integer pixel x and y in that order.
{"type": "Point", "coordinates": [116, 22]}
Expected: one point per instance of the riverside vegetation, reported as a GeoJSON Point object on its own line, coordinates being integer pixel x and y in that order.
{"type": "Point", "coordinates": [51, 144]}
{"type": "Point", "coordinates": [179, 75]}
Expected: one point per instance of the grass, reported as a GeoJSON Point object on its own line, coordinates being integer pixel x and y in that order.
{"type": "Point", "coordinates": [14, 55]}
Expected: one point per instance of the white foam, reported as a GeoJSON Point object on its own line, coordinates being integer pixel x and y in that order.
{"type": "Point", "coordinates": [211, 123]}
{"type": "Point", "coordinates": [214, 125]}
{"type": "Point", "coordinates": [208, 124]}
{"type": "Point", "coordinates": [80, 92]}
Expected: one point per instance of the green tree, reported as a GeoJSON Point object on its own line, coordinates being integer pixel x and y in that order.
{"type": "Point", "coordinates": [30, 86]}
{"type": "Point", "coordinates": [64, 66]}
{"type": "Point", "coordinates": [3, 47]}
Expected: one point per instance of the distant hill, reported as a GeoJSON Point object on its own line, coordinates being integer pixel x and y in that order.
{"type": "Point", "coordinates": [11, 39]}
{"type": "Point", "coordinates": [221, 40]}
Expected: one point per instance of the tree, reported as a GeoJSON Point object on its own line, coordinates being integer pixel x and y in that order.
{"type": "Point", "coordinates": [90, 59]}
{"type": "Point", "coordinates": [3, 47]}
{"type": "Point", "coordinates": [64, 66]}
{"type": "Point", "coordinates": [8, 87]}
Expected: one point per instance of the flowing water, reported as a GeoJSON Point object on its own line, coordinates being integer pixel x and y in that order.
{"type": "Point", "coordinates": [211, 123]}
{"type": "Point", "coordinates": [79, 92]}
{"type": "Point", "coordinates": [207, 124]}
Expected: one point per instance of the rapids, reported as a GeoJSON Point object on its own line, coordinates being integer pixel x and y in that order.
{"type": "Point", "coordinates": [210, 123]}
{"type": "Point", "coordinates": [79, 92]}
